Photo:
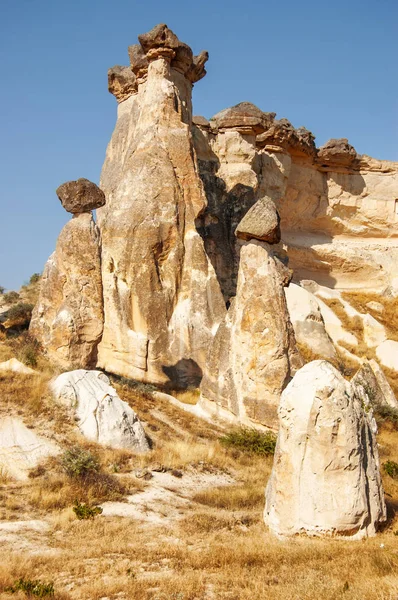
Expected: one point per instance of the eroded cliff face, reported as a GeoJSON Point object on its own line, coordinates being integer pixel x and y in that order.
{"type": "Point", "coordinates": [339, 210]}
{"type": "Point", "coordinates": [162, 300]}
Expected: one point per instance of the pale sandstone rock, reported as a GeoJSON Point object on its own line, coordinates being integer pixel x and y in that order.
{"type": "Point", "coordinates": [162, 300]}
{"type": "Point", "coordinates": [80, 196]}
{"type": "Point", "coordinates": [101, 415]}
{"type": "Point", "coordinates": [68, 317]}
{"type": "Point", "coordinates": [16, 366]}
{"type": "Point", "coordinates": [376, 306]}
{"type": "Point", "coordinates": [308, 323]}
{"type": "Point", "coordinates": [21, 449]}
{"type": "Point", "coordinates": [387, 353]}
{"type": "Point", "coordinates": [326, 474]}
{"type": "Point", "coordinates": [261, 222]}
{"type": "Point", "coordinates": [250, 359]}
{"type": "Point", "coordinates": [375, 385]}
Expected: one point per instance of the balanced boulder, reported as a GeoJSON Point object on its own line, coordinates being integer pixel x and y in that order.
{"type": "Point", "coordinates": [80, 196]}
{"type": "Point", "coordinates": [261, 222]}
{"type": "Point", "coordinates": [326, 474]}
{"type": "Point", "coordinates": [101, 415]}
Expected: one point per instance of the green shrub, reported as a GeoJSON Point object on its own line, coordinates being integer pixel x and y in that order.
{"type": "Point", "coordinates": [386, 413]}
{"type": "Point", "coordinates": [83, 511]}
{"type": "Point", "coordinates": [250, 440]}
{"type": "Point", "coordinates": [11, 297]}
{"type": "Point", "coordinates": [2, 289]}
{"type": "Point", "coordinates": [22, 311]}
{"type": "Point", "coordinates": [79, 463]}
{"type": "Point", "coordinates": [32, 587]}
{"type": "Point", "coordinates": [35, 278]}
{"type": "Point", "coordinates": [391, 468]}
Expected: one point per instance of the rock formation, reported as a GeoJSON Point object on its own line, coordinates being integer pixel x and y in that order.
{"type": "Point", "coordinates": [249, 362]}
{"type": "Point", "coordinates": [374, 385]}
{"type": "Point", "coordinates": [101, 415]}
{"type": "Point", "coordinates": [162, 301]}
{"type": "Point", "coordinates": [68, 317]}
{"type": "Point", "coordinates": [21, 449]}
{"type": "Point", "coordinates": [182, 283]}
{"type": "Point", "coordinates": [326, 474]}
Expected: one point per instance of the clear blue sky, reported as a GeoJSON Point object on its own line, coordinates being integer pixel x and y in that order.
{"type": "Point", "coordinates": [330, 66]}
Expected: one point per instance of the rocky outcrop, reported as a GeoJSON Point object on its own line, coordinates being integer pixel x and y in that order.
{"type": "Point", "coordinates": [21, 449]}
{"type": "Point", "coordinates": [249, 362]}
{"type": "Point", "coordinates": [122, 82]}
{"type": "Point", "coordinates": [387, 354]}
{"type": "Point", "coordinates": [374, 385]}
{"type": "Point", "coordinates": [162, 300]}
{"type": "Point", "coordinates": [326, 474]}
{"type": "Point", "coordinates": [80, 196]}
{"type": "Point", "coordinates": [68, 317]}
{"type": "Point", "coordinates": [338, 153]}
{"type": "Point", "coordinates": [101, 415]}
{"type": "Point", "coordinates": [308, 323]}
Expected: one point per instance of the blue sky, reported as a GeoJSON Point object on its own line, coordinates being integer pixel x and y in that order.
{"type": "Point", "coordinates": [330, 66]}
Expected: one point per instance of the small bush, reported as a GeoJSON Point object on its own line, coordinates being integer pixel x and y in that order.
{"type": "Point", "coordinates": [83, 511]}
{"type": "Point", "coordinates": [32, 587]}
{"type": "Point", "coordinates": [386, 413]}
{"type": "Point", "coordinates": [79, 463]}
{"type": "Point", "coordinates": [11, 297]}
{"type": "Point", "coordinates": [391, 468]}
{"type": "Point", "coordinates": [22, 311]}
{"type": "Point", "coordinates": [2, 289]}
{"type": "Point", "coordinates": [250, 440]}
{"type": "Point", "coordinates": [35, 278]}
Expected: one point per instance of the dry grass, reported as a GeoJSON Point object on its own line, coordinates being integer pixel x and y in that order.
{"type": "Point", "coordinates": [389, 316]}
{"type": "Point", "coordinates": [220, 549]}
{"type": "Point", "coordinates": [190, 396]}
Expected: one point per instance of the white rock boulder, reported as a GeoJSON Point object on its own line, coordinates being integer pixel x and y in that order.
{"type": "Point", "coordinates": [21, 449]}
{"type": "Point", "coordinates": [101, 415]}
{"type": "Point", "coordinates": [16, 366]}
{"type": "Point", "coordinates": [326, 474]}
{"type": "Point", "coordinates": [375, 386]}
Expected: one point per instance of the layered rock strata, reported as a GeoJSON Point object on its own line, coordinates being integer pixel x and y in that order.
{"type": "Point", "coordinates": [162, 300]}
{"type": "Point", "coordinates": [68, 317]}
{"type": "Point", "coordinates": [326, 474]}
{"type": "Point", "coordinates": [338, 209]}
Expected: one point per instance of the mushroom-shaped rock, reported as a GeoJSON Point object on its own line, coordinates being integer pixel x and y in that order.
{"type": "Point", "coordinates": [243, 116]}
{"type": "Point", "coordinates": [80, 196]}
{"type": "Point", "coordinates": [371, 379]}
{"type": "Point", "coordinates": [101, 415]}
{"type": "Point", "coordinates": [122, 82]}
{"type": "Point", "coordinates": [326, 474]}
{"type": "Point", "coordinates": [337, 152]}
{"type": "Point", "coordinates": [138, 61]}
{"type": "Point", "coordinates": [261, 222]}
{"type": "Point", "coordinates": [159, 37]}
{"type": "Point", "coordinates": [282, 134]}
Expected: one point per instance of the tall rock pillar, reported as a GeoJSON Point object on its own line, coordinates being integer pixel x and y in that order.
{"type": "Point", "coordinates": [162, 300]}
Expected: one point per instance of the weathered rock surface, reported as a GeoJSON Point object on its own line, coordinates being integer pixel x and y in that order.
{"type": "Point", "coordinates": [244, 117]}
{"type": "Point", "coordinates": [80, 196]}
{"type": "Point", "coordinates": [68, 317]}
{"type": "Point", "coordinates": [250, 360]}
{"type": "Point", "coordinates": [326, 474]}
{"type": "Point", "coordinates": [16, 366]}
{"type": "Point", "coordinates": [374, 384]}
{"type": "Point", "coordinates": [337, 152]}
{"type": "Point", "coordinates": [21, 449]}
{"type": "Point", "coordinates": [308, 323]}
{"type": "Point", "coordinates": [122, 82]}
{"type": "Point", "coordinates": [162, 300]}
{"type": "Point", "coordinates": [101, 415]}
{"type": "Point", "coordinates": [261, 222]}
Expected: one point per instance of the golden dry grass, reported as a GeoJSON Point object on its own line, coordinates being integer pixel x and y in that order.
{"type": "Point", "coordinates": [389, 316]}
{"type": "Point", "coordinates": [219, 549]}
